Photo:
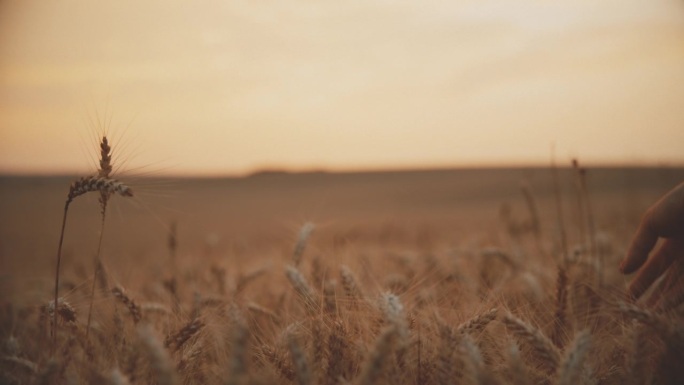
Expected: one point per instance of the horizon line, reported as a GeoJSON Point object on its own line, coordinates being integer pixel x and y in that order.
{"type": "Point", "coordinates": [274, 170]}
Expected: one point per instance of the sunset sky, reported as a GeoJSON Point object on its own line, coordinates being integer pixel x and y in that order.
{"type": "Point", "coordinates": [229, 87]}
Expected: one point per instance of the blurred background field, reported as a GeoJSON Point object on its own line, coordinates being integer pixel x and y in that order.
{"type": "Point", "coordinates": [256, 218]}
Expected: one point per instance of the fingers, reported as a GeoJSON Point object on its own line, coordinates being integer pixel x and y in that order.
{"type": "Point", "coordinates": [664, 219]}
{"type": "Point", "coordinates": [642, 243]}
{"type": "Point", "coordinates": [653, 268]}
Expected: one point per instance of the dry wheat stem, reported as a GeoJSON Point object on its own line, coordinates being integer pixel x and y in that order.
{"type": "Point", "coordinates": [580, 204]}
{"type": "Point", "coordinates": [59, 259]}
{"type": "Point", "coordinates": [591, 225]}
{"type": "Point", "coordinates": [535, 223]}
{"type": "Point", "coordinates": [103, 202]}
{"type": "Point", "coordinates": [559, 209]}
{"type": "Point", "coordinates": [560, 319]}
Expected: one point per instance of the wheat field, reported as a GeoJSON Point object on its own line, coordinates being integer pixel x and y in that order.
{"type": "Point", "coordinates": [412, 277]}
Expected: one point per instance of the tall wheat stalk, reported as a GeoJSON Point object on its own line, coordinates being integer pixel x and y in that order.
{"type": "Point", "coordinates": [104, 171]}
{"type": "Point", "coordinates": [106, 186]}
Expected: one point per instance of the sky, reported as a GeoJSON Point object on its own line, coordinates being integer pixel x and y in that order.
{"type": "Point", "coordinates": [231, 87]}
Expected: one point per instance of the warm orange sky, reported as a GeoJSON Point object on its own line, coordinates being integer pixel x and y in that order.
{"type": "Point", "coordinates": [233, 86]}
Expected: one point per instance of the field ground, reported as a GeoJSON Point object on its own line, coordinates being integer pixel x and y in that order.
{"type": "Point", "coordinates": [450, 244]}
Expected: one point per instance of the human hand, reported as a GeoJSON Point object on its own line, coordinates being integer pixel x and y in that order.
{"type": "Point", "coordinates": [665, 219]}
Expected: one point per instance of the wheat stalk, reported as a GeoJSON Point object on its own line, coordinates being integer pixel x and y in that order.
{"type": "Point", "coordinates": [560, 319]}
{"type": "Point", "coordinates": [559, 209]}
{"type": "Point", "coordinates": [79, 187]}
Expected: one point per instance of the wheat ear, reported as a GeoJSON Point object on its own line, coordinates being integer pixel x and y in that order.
{"type": "Point", "coordinates": [473, 361]}
{"type": "Point", "coordinates": [302, 239]}
{"type": "Point", "coordinates": [282, 366]}
{"type": "Point", "coordinates": [302, 287]}
{"type": "Point", "coordinates": [299, 361]}
{"type": "Point", "coordinates": [517, 370]}
{"type": "Point", "coordinates": [132, 306]}
{"type": "Point", "coordinates": [338, 357]}
{"type": "Point", "coordinates": [544, 349]}
{"type": "Point", "coordinates": [96, 183]}
{"type": "Point", "coordinates": [158, 356]}
{"type": "Point", "coordinates": [477, 323]}
{"type": "Point", "coordinates": [179, 338]}
{"type": "Point", "coordinates": [351, 286]}
{"type": "Point", "coordinates": [118, 378]}
{"type": "Point", "coordinates": [393, 312]}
